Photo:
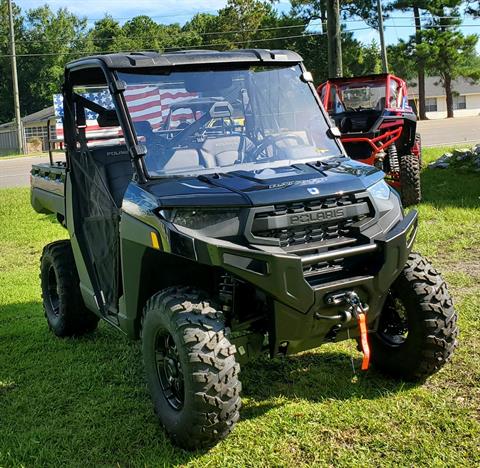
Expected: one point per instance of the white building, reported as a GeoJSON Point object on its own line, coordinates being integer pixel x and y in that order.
{"type": "Point", "coordinates": [466, 99]}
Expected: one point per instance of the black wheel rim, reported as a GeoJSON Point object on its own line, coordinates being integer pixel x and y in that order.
{"type": "Point", "coordinates": [53, 295]}
{"type": "Point", "coordinates": [393, 325]}
{"type": "Point", "coordinates": [169, 369]}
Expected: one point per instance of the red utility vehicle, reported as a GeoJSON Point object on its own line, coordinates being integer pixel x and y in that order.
{"type": "Point", "coordinates": [378, 127]}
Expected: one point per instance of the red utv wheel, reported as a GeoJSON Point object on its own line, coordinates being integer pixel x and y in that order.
{"type": "Point", "coordinates": [410, 188]}
{"type": "Point", "coordinates": [417, 148]}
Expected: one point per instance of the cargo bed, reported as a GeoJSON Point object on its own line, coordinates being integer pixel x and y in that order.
{"type": "Point", "coordinates": [48, 188]}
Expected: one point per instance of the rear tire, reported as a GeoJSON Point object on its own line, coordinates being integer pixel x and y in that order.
{"type": "Point", "coordinates": [190, 367]}
{"type": "Point", "coordinates": [418, 144]}
{"type": "Point", "coordinates": [410, 187]}
{"type": "Point", "coordinates": [417, 331]}
{"type": "Point", "coordinates": [63, 304]}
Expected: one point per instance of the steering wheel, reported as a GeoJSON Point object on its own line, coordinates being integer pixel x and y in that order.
{"type": "Point", "coordinates": [271, 140]}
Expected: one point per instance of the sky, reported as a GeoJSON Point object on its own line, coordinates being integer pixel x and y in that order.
{"type": "Point", "coordinates": [179, 11]}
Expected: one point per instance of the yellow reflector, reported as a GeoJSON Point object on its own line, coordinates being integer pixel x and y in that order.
{"type": "Point", "coordinates": [154, 238]}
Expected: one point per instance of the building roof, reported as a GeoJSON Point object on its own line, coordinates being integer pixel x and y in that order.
{"type": "Point", "coordinates": [434, 88]}
{"type": "Point", "coordinates": [39, 116]}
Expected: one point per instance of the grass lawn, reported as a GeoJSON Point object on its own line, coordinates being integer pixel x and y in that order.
{"type": "Point", "coordinates": [83, 402]}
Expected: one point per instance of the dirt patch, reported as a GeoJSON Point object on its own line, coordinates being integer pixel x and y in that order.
{"type": "Point", "coordinates": [467, 263]}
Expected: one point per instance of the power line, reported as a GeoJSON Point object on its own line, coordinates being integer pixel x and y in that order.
{"type": "Point", "coordinates": [208, 33]}
{"type": "Point", "coordinates": [273, 28]}
{"type": "Point", "coordinates": [211, 44]}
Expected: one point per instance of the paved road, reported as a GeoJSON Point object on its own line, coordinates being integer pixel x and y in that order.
{"type": "Point", "coordinates": [450, 131]}
{"type": "Point", "coordinates": [16, 172]}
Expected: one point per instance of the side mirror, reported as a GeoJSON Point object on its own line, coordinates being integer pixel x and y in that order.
{"type": "Point", "coordinates": [334, 132]}
{"type": "Point", "coordinates": [307, 77]}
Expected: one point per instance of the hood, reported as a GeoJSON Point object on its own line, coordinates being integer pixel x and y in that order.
{"type": "Point", "coordinates": [267, 186]}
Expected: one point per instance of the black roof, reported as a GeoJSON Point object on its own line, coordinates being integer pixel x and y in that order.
{"type": "Point", "coordinates": [373, 76]}
{"type": "Point", "coordinates": [183, 58]}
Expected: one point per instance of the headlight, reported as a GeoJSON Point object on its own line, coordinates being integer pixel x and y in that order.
{"type": "Point", "coordinates": [380, 190]}
{"type": "Point", "coordinates": [200, 218]}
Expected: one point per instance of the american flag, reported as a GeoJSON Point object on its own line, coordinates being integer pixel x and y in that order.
{"type": "Point", "coordinates": [145, 103]}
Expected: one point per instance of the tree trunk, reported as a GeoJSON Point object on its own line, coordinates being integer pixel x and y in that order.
{"type": "Point", "coordinates": [335, 68]}
{"type": "Point", "coordinates": [422, 115]}
{"type": "Point", "coordinates": [447, 83]}
{"type": "Point", "coordinates": [323, 15]}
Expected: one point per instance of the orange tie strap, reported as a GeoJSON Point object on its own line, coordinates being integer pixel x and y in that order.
{"type": "Point", "coordinates": [362, 325]}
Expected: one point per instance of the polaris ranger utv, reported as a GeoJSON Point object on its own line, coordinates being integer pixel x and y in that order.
{"type": "Point", "coordinates": [213, 214]}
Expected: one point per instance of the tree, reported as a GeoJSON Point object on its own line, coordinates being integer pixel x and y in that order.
{"type": "Point", "coordinates": [472, 7]}
{"type": "Point", "coordinates": [104, 35]}
{"type": "Point", "coordinates": [202, 29]}
{"type": "Point", "coordinates": [335, 66]}
{"type": "Point", "coordinates": [240, 20]}
{"type": "Point", "coordinates": [311, 10]}
{"type": "Point", "coordinates": [6, 87]}
{"type": "Point", "coordinates": [329, 13]}
{"type": "Point", "coordinates": [51, 39]}
{"type": "Point", "coordinates": [416, 6]}
{"type": "Point", "coordinates": [404, 59]}
{"type": "Point", "coordinates": [449, 54]}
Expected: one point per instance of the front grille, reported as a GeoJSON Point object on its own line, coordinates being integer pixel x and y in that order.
{"type": "Point", "coordinates": [310, 233]}
{"type": "Point", "coordinates": [320, 232]}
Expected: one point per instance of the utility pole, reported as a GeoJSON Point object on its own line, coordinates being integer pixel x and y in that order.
{"type": "Point", "coordinates": [16, 99]}
{"type": "Point", "coordinates": [382, 37]}
{"type": "Point", "coordinates": [335, 67]}
{"type": "Point", "coordinates": [422, 115]}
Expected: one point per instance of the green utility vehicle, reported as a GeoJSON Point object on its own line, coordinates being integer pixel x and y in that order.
{"type": "Point", "coordinates": [212, 213]}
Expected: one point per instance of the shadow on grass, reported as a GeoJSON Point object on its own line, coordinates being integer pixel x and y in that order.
{"type": "Point", "coordinates": [68, 394]}
{"type": "Point", "coordinates": [316, 377]}
{"type": "Point", "coordinates": [452, 187]}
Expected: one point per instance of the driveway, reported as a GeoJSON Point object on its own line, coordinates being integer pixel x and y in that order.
{"type": "Point", "coordinates": [444, 132]}
{"type": "Point", "coordinates": [16, 172]}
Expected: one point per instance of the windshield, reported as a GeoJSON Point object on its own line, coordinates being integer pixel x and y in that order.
{"type": "Point", "coordinates": [224, 120]}
{"type": "Point", "coordinates": [352, 96]}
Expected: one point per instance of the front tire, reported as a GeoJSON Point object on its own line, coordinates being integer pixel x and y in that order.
{"type": "Point", "coordinates": [190, 367]}
{"type": "Point", "coordinates": [417, 331]}
{"type": "Point", "coordinates": [410, 188]}
{"type": "Point", "coordinates": [63, 304]}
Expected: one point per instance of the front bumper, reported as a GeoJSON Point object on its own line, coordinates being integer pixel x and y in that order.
{"type": "Point", "coordinates": [281, 276]}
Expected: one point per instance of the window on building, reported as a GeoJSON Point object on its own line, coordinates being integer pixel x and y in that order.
{"type": "Point", "coordinates": [459, 102]}
{"type": "Point", "coordinates": [431, 104]}
{"type": "Point", "coordinates": [31, 132]}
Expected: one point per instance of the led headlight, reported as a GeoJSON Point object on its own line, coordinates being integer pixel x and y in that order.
{"type": "Point", "coordinates": [199, 219]}
{"type": "Point", "coordinates": [380, 190]}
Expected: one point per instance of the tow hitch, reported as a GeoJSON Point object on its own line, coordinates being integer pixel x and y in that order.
{"type": "Point", "coordinates": [355, 310]}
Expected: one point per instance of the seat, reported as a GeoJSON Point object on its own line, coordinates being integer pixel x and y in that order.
{"type": "Point", "coordinates": [183, 159]}
{"type": "Point", "coordinates": [224, 150]}
{"type": "Point", "coordinates": [115, 164]}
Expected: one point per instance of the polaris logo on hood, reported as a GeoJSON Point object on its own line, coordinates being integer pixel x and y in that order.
{"type": "Point", "coordinates": [315, 216]}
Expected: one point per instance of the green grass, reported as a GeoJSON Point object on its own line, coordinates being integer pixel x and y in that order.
{"type": "Point", "coordinates": [83, 402]}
